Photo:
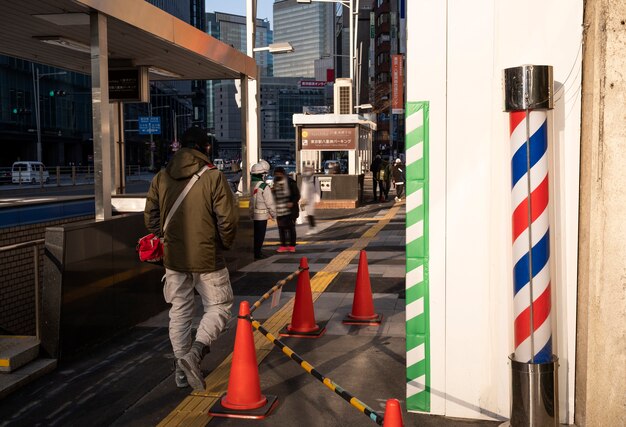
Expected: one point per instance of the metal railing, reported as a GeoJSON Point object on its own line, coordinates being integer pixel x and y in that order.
{"type": "Point", "coordinates": [35, 244]}
{"type": "Point", "coordinates": [65, 175]}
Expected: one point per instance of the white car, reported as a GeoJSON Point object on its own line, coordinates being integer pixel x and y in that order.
{"type": "Point", "coordinates": [219, 164]}
{"type": "Point", "coordinates": [32, 172]}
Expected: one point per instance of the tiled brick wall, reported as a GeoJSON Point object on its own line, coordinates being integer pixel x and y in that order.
{"type": "Point", "coordinates": [17, 276]}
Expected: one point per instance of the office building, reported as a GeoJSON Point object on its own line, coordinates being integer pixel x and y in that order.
{"type": "Point", "coordinates": [179, 104]}
{"type": "Point", "coordinates": [389, 15]}
{"type": "Point", "coordinates": [65, 104]}
{"type": "Point", "coordinates": [280, 98]}
{"type": "Point", "coordinates": [310, 30]}
{"type": "Point", "coordinates": [231, 29]}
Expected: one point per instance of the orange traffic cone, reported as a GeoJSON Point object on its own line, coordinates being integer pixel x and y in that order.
{"type": "Point", "coordinates": [393, 414]}
{"type": "Point", "coordinates": [362, 304]}
{"type": "Point", "coordinates": [303, 316]}
{"type": "Point", "coordinates": [243, 398]}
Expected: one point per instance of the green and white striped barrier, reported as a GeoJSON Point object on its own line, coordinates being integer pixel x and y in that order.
{"type": "Point", "coordinates": [417, 299]}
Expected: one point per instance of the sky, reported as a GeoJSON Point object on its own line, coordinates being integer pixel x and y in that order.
{"type": "Point", "coordinates": [238, 7]}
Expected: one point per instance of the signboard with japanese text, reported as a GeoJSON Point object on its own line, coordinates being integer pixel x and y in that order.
{"type": "Point", "coordinates": [128, 85]}
{"type": "Point", "coordinates": [312, 83]}
{"type": "Point", "coordinates": [329, 138]}
{"type": "Point", "coordinates": [397, 78]}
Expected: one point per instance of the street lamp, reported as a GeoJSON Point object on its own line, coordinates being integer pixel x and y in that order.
{"type": "Point", "coordinates": [276, 48]}
{"type": "Point", "coordinates": [363, 107]}
{"type": "Point", "coordinates": [36, 77]}
{"type": "Point", "coordinates": [176, 116]}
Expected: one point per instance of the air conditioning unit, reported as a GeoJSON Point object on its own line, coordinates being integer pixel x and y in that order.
{"type": "Point", "coordinates": [343, 96]}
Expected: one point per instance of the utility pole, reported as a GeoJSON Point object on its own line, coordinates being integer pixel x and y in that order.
{"type": "Point", "coordinates": [36, 77]}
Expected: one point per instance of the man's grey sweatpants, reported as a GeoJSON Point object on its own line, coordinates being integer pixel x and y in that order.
{"type": "Point", "coordinates": [217, 299]}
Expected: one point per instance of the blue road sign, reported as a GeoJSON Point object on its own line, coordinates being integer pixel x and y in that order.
{"type": "Point", "coordinates": [149, 125]}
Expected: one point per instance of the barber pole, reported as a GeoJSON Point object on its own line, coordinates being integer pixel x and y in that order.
{"type": "Point", "coordinates": [531, 236]}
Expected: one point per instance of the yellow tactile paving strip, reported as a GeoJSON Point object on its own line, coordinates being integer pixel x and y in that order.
{"type": "Point", "coordinates": [192, 411]}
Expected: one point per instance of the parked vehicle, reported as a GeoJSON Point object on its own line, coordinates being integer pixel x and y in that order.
{"type": "Point", "coordinates": [332, 167]}
{"type": "Point", "coordinates": [219, 164]}
{"type": "Point", "coordinates": [27, 171]}
{"type": "Point", "coordinates": [5, 176]}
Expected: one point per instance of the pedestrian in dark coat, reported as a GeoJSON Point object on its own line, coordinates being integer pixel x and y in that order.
{"type": "Point", "coordinates": [384, 177]}
{"type": "Point", "coordinates": [202, 227]}
{"type": "Point", "coordinates": [287, 196]}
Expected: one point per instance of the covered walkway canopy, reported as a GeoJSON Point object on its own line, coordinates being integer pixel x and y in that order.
{"type": "Point", "coordinates": [137, 31]}
{"type": "Point", "coordinates": [89, 36]}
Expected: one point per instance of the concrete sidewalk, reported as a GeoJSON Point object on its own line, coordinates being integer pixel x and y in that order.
{"type": "Point", "coordinates": [129, 381]}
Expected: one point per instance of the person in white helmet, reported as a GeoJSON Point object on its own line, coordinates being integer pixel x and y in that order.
{"type": "Point", "coordinates": [262, 206]}
{"type": "Point", "coordinates": [398, 176]}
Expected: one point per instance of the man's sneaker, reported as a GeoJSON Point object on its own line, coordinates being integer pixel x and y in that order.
{"type": "Point", "coordinates": [291, 248]}
{"type": "Point", "coordinates": [181, 379]}
{"type": "Point", "coordinates": [282, 249]}
{"type": "Point", "coordinates": [191, 366]}
{"type": "Point", "coordinates": [397, 200]}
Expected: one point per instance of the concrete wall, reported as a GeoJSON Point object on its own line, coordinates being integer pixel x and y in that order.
{"type": "Point", "coordinates": [455, 56]}
{"type": "Point", "coordinates": [601, 342]}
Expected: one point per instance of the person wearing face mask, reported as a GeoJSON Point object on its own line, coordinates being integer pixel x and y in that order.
{"type": "Point", "coordinates": [310, 196]}
{"type": "Point", "coordinates": [262, 205]}
{"type": "Point", "coordinates": [287, 196]}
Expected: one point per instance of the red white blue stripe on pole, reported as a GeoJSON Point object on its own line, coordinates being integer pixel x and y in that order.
{"type": "Point", "coordinates": [531, 236]}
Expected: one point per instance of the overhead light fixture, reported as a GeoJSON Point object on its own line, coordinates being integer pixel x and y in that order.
{"type": "Point", "coordinates": [164, 73]}
{"type": "Point", "coordinates": [65, 42]}
{"type": "Point", "coordinates": [281, 47]}
{"type": "Point", "coordinates": [364, 107]}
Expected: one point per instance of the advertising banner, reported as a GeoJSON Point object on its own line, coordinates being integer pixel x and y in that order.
{"type": "Point", "coordinates": [397, 78]}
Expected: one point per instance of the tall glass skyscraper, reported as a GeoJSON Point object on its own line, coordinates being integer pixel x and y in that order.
{"type": "Point", "coordinates": [310, 30]}
{"type": "Point", "coordinates": [231, 29]}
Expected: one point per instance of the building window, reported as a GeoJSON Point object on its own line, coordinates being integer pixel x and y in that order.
{"type": "Point", "coordinates": [344, 100]}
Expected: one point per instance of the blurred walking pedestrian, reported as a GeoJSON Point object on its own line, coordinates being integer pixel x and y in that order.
{"type": "Point", "coordinates": [262, 205]}
{"type": "Point", "coordinates": [384, 177]}
{"type": "Point", "coordinates": [287, 196]}
{"type": "Point", "coordinates": [398, 176]}
{"type": "Point", "coordinates": [202, 226]}
{"type": "Point", "coordinates": [235, 179]}
{"type": "Point", "coordinates": [374, 168]}
{"type": "Point", "coordinates": [310, 196]}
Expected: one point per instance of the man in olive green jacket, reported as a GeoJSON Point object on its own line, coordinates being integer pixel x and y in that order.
{"type": "Point", "coordinates": [203, 226]}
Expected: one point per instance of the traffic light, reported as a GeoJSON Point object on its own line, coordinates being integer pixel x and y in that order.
{"type": "Point", "coordinates": [53, 93]}
{"type": "Point", "coordinates": [21, 111]}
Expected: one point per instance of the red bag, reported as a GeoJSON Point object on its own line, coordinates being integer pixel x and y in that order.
{"type": "Point", "coordinates": [150, 249]}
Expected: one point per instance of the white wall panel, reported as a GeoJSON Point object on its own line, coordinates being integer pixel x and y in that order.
{"type": "Point", "coordinates": [456, 51]}
{"type": "Point", "coordinates": [426, 81]}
